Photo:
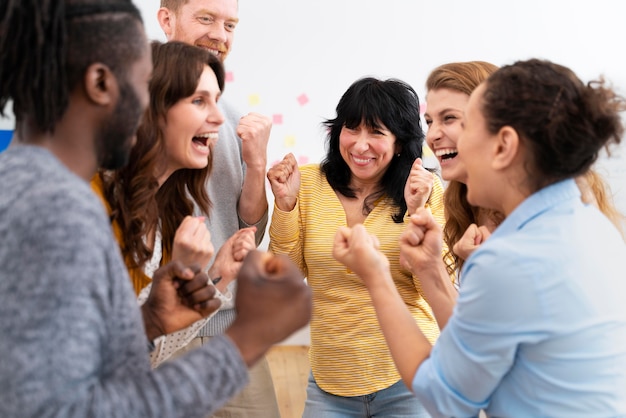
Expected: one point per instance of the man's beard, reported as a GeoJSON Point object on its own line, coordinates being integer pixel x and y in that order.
{"type": "Point", "coordinates": [115, 138]}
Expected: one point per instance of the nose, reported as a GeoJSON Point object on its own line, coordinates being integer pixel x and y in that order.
{"type": "Point", "coordinates": [433, 134]}
{"type": "Point", "coordinates": [362, 143]}
{"type": "Point", "coordinates": [218, 32]}
{"type": "Point", "coordinates": [215, 116]}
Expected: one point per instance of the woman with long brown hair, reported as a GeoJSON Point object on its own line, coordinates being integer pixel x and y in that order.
{"type": "Point", "coordinates": [448, 90]}
{"type": "Point", "coordinates": [152, 199]}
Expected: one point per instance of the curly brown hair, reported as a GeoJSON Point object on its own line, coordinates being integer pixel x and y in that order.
{"type": "Point", "coordinates": [138, 203]}
{"type": "Point", "coordinates": [463, 77]}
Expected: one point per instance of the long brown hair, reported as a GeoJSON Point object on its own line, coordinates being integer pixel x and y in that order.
{"type": "Point", "coordinates": [596, 191]}
{"type": "Point", "coordinates": [137, 202]}
{"type": "Point", "coordinates": [463, 77]}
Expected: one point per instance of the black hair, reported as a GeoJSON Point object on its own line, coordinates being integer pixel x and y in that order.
{"type": "Point", "coordinates": [392, 103]}
{"type": "Point", "coordinates": [47, 45]}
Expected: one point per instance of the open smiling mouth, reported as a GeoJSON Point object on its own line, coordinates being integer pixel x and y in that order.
{"type": "Point", "coordinates": [201, 140]}
{"type": "Point", "coordinates": [446, 154]}
{"type": "Point", "coordinates": [204, 139]}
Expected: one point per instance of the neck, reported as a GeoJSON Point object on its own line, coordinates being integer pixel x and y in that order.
{"type": "Point", "coordinates": [166, 172]}
{"type": "Point", "coordinates": [364, 189]}
{"type": "Point", "coordinates": [76, 154]}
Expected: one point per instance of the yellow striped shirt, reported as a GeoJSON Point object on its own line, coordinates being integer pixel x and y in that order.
{"type": "Point", "coordinates": [349, 355]}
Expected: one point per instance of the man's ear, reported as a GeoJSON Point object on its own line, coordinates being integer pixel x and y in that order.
{"type": "Point", "coordinates": [101, 86]}
{"type": "Point", "coordinates": [507, 147]}
{"type": "Point", "coordinates": [166, 21]}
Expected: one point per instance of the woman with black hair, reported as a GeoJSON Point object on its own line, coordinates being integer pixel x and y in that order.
{"type": "Point", "coordinates": [372, 174]}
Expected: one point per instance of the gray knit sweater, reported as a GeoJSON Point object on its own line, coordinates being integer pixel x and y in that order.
{"type": "Point", "coordinates": [72, 342]}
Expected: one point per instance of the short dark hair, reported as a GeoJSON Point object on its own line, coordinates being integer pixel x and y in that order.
{"type": "Point", "coordinates": [46, 46]}
{"type": "Point", "coordinates": [371, 101]}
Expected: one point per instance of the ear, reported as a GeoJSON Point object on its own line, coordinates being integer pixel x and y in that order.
{"type": "Point", "coordinates": [506, 148]}
{"type": "Point", "coordinates": [101, 86]}
{"type": "Point", "coordinates": [166, 20]}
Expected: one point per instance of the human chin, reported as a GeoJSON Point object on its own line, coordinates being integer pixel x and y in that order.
{"type": "Point", "coordinates": [198, 162]}
{"type": "Point", "coordinates": [117, 136]}
{"type": "Point", "coordinates": [454, 171]}
{"type": "Point", "coordinates": [471, 192]}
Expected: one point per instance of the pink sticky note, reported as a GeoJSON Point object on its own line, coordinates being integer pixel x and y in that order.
{"type": "Point", "coordinates": [303, 99]}
{"type": "Point", "coordinates": [277, 119]}
{"type": "Point", "coordinates": [230, 77]}
{"type": "Point", "coordinates": [422, 108]}
{"type": "Point", "coordinates": [303, 159]}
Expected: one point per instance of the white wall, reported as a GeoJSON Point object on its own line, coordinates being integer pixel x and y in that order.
{"type": "Point", "coordinates": [285, 51]}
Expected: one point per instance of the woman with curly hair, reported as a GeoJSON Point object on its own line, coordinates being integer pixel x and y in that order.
{"type": "Point", "coordinates": [153, 198]}
{"type": "Point", "coordinates": [448, 90]}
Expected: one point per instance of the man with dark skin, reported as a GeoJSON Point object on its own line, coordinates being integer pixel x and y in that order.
{"type": "Point", "coordinates": [73, 338]}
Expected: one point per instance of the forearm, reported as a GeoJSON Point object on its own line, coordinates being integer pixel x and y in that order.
{"type": "Point", "coordinates": [439, 292]}
{"type": "Point", "coordinates": [407, 344]}
{"type": "Point", "coordinates": [285, 236]}
{"type": "Point", "coordinates": [193, 386]}
{"type": "Point", "coordinates": [252, 204]}
{"type": "Point", "coordinates": [150, 323]}
{"type": "Point", "coordinates": [110, 375]}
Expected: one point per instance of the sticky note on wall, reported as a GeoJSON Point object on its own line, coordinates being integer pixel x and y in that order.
{"type": "Point", "coordinates": [254, 100]}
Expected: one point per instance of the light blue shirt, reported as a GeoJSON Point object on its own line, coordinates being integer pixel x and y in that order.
{"type": "Point", "coordinates": [539, 329]}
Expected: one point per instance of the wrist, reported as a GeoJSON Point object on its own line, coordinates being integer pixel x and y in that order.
{"type": "Point", "coordinates": [286, 204]}
{"type": "Point", "coordinates": [257, 167]}
{"type": "Point", "coordinates": [153, 329]}
{"type": "Point", "coordinates": [221, 276]}
{"type": "Point", "coordinates": [250, 348]}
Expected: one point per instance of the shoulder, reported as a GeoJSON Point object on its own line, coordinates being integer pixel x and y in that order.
{"type": "Point", "coordinates": [311, 175]}
{"type": "Point", "coordinates": [59, 224]}
{"type": "Point", "coordinates": [309, 169]}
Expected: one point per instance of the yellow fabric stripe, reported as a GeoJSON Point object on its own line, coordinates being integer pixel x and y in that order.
{"type": "Point", "coordinates": [349, 355]}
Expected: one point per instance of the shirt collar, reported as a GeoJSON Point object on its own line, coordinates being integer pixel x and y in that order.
{"type": "Point", "coordinates": [538, 203]}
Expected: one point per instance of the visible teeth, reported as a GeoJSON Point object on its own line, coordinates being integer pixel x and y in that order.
{"type": "Point", "coordinates": [361, 160]}
{"type": "Point", "coordinates": [208, 135]}
{"type": "Point", "coordinates": [445, 151]}
{"type": "Point", "coordinates": [215, 52]}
